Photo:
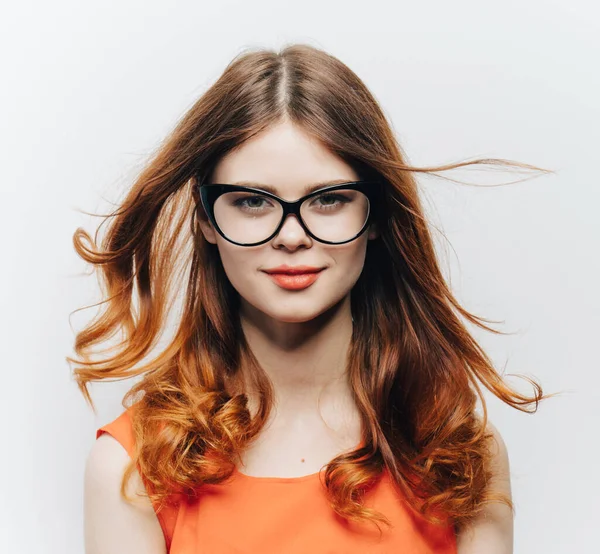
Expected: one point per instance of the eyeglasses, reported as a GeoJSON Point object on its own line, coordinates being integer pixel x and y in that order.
{"type": "Point", "coordinates": [249, 216]}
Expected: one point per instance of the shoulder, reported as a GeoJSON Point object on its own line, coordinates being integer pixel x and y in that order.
{"type": "Point", "coordinates": [111, 524]}
{"type": "Point", "coordinates": [106, 462]}
{"type": "Point", "coordinates": [493, 530]}
{"type": "Point", "coordinates": [499, 453]}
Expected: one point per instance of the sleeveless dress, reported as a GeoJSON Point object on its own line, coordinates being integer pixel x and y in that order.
{"type": "Point", "coordinates": [286, 515]}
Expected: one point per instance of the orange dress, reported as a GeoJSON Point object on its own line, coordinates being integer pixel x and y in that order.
{"type": "Point", "coordinates": [287, 515]}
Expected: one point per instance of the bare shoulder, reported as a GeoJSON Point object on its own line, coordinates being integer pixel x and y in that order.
{"type": "Point", "coordinates": [499, 451]}
{"type": "Point", "coordinates": [111, 524]}
{"type": "Point", "coordinates": [493, 531]}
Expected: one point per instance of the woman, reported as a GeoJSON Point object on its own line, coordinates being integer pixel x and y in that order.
{"type": "Point", "coordinates": [319, 391]}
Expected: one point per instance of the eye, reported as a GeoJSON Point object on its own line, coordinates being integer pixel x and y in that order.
{"type": "Point", "coordinates": [330, 200]}
{"type": "Point", "coordinates": [252, 203]}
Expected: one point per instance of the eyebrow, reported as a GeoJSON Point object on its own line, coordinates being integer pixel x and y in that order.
{"type": "Point", "coordinates": [307, 189]}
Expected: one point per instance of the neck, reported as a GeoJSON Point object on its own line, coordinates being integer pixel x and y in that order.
{"type": "Point", "coordinates": [304, 360]}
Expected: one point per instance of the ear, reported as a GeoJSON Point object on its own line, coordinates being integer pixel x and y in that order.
{"type": "Point", "coordinates": [373, 231]}
{"type": "Point", "coordinates": [209, 232]}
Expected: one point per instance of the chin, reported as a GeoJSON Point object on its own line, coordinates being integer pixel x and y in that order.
{"type": "Point", "coordinates": [293, 316]}
{"type": "Point", "coordinates": [304, 311]}
{"type": "Point", "coordinates": [296, 308]}
{"type": "Point", "coordinates": [300, 320]}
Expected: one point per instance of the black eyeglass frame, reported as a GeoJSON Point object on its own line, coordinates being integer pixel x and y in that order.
{"type": "Point", "coordinates": [209, 192]}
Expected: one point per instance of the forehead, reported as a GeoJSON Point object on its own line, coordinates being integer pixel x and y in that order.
{"type": "Point", "coordinates": [284, 160]}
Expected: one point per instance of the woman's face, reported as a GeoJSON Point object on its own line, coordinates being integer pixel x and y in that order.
{"type": "Point", "coordinates": [287, 159]}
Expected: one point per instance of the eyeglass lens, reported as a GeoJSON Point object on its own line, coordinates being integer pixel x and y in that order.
{"type": "Point", "coordinates": [248, 217]}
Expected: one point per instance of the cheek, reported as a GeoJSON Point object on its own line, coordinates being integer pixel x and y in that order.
{"type": "Point", "coordinates": [349, 261]}
{"type": "Point", "coordinates": [238, 264]}
{"type": "Point", "coordinates": [241, 267]}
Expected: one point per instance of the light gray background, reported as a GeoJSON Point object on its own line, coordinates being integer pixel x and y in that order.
{"type": "Point", "coordinates": [89, 89]}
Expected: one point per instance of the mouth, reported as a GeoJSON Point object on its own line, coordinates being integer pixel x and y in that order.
{"type": "Point", "coordinates": [297, 278]}
{"type": "Point", "coordinates": [293, 270]}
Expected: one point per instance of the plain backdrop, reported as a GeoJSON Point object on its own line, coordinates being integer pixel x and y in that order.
{"type": "Point", "coordinates": [90, 89]}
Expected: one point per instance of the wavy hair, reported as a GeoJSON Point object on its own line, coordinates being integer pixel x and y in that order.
{"type": "Point", "coordinates": [415, 370]}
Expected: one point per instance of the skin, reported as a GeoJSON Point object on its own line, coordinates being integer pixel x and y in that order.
{"type": "Point", "coordinates": [493, 531]}
{"type": "Point", "coordinates": [300, 338]}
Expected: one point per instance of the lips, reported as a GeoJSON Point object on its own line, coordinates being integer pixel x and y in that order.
{"type": "Point", "coordinates": [295, 270]}
{"type": "Point", "coordinates": [294, 278]}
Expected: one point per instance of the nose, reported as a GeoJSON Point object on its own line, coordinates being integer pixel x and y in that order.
{"type": "Point", "coordinates": [291, 235]}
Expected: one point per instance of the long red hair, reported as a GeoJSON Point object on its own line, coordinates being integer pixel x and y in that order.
{"type": "Point", "coordinates": [415, 370]}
